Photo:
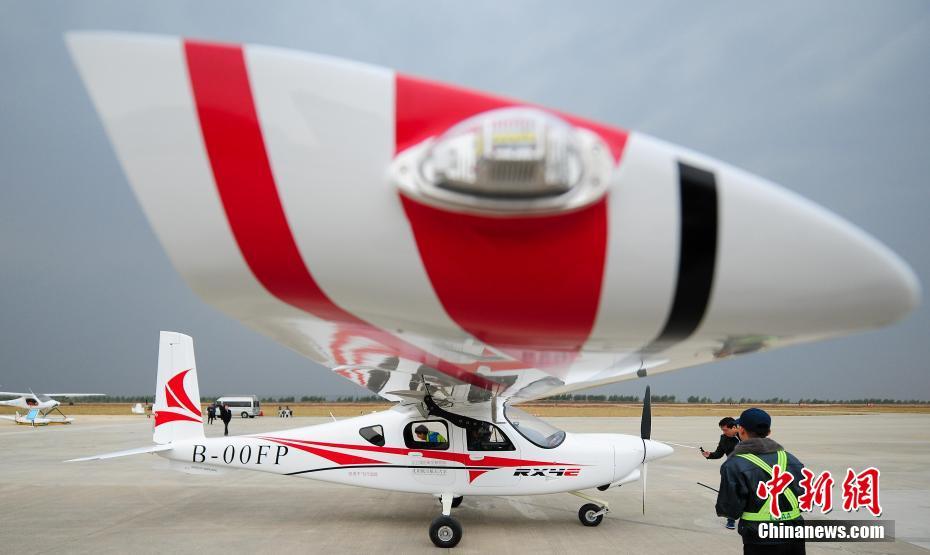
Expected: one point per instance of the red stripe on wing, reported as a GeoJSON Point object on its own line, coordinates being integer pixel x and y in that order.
{"type": "Point", "coordinates": [529, 286]}
{"type": "Point", "coordinates": [244, 180]}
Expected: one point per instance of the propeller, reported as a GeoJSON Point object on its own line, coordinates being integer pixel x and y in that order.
{"type": "Point", "coordinates": [645, 425]}
{"type": "Point", "coordinates": [645, 432]}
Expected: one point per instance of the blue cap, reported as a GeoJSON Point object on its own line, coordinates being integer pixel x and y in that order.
{"type": "Point", "coordinates": [755, 420]}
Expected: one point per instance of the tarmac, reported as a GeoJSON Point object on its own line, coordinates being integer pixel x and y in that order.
{"type": "Point", "coordinates": [137, 504]}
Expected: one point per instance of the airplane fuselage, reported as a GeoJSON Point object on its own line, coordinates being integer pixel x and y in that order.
{"type": "Point", "coordinates": [339, 452]}
{"type": "Point", "coordinates": [31, 403]}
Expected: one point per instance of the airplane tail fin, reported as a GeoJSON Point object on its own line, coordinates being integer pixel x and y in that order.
{"type": "Point", "coordinates": [177, 409]}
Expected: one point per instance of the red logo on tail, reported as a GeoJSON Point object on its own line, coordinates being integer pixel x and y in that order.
{"type": "Point", "coordinates": [176, 397]}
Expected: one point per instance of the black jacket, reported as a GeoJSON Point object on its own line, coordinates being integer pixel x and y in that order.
{"type": "Point", "coordinates": [739, 479]}
{"type": "Point", "coordinates": [725, 447]}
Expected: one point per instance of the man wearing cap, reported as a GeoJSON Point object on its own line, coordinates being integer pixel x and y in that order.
{"type": "Point", "coordinates": [751, 462]}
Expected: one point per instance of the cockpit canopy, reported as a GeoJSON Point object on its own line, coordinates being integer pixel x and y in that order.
{"type": "Point", "coordinates": [538, 432]}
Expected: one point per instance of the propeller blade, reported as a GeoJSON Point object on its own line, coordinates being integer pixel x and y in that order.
{"type": "Point", "coordinates": [643, 472]}
{"type": "Point", "coordinates": [645, 426]}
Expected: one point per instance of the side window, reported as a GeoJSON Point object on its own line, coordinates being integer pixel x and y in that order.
{"type": "Point", "coordinates": [427, 435]}
{"type": "Point", "coordinates": [487, 437]}
{"type": "Point", "coordinates": [373, 435]}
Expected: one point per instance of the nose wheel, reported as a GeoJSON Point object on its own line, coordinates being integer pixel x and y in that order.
{"type": "Point", "coordinates": [445, 531]}
{"type": "Point", "coordinates": [591, 514]}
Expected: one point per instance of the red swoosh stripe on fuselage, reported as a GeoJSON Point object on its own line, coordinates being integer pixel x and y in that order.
{"type": "Point", "coordinates": [522, 284]}
{"type": "Point", "coordinates": [335, 456]}
{"type": "Point", "coordinates": [236, 150]}
{"type": "Point", "coordinates": [346, 460]}
{"type": "Point", "coordinates": [463, 458]}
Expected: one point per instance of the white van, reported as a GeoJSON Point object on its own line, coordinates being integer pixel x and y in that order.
{"type": "Point", "coordinates": [246, 406]}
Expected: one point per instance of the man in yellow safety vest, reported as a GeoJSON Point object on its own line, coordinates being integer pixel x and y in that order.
{"type": "Point", "coordinates": [753, 478]}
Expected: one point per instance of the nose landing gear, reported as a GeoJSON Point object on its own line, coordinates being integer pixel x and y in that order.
{"type": "Point", "coordinates": [591, 514]}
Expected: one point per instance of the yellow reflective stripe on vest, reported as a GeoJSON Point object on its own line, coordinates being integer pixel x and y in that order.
{"type": "Point", "coordinates": [765, 514]}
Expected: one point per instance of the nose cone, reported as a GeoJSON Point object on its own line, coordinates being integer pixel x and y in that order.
{"type": "Point", "coordinates": [792, 268]}
{"type": "Point", "coordinates": [656, 450]}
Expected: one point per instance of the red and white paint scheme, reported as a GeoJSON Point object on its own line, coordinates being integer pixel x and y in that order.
{"type": "Point", "coordinates": [412, 235]}
{"type": "Point", "coordinates": [461, 449]}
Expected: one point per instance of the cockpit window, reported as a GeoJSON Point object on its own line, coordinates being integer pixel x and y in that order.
{"type": "Point", "coordinates": [539, 433]}
{"type": "Point", "coordinates": [373, 435]}
{"type": "Point", "coordinates": [427, 434]}
{"type": "Point", "coordinates": [487, 437]}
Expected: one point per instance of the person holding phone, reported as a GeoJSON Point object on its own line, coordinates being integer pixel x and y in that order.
{"type": "Point", "coordinates": [728, 441]}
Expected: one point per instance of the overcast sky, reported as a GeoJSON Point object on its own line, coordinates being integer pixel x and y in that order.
{"type": "Point", "coordinates": [829, 99]}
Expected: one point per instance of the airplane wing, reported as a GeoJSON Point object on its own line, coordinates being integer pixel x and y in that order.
{"type": "Point", "coordinates": [398, 230]}
{"type": "Point", "coordinates": [13, 394]}
{"type": "Point", "coordinates": [75, 394]}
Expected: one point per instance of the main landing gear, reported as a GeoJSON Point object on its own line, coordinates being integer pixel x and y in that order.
{"type": "Point", "coordinates": [49, 411]}
{"type": "Point", "coordinates": [445, 531]}
{"type": "Point", "coordinates": [591, 514]}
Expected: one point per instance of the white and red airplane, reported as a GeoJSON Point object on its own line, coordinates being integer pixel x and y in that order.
{"type": "Point", "coordinates": [39, 407]}
{"type": "Point", "coordinates": [458, 253]}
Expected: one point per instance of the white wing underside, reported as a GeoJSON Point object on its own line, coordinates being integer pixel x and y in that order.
{"type": "Point", "coordinates": [354, 290]}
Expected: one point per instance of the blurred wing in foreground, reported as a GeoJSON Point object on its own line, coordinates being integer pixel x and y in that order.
{"type": "Point", "coordinates": [401, 231]}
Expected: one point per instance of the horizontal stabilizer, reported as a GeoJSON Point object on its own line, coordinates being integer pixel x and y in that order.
{"type": "Point", "coordinates": [126, 453]}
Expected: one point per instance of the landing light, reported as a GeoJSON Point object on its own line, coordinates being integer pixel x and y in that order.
{"type": "Point", "coordinates": [509, 160]}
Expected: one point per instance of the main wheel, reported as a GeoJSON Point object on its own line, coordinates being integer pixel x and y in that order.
{"type": "Point", "coordinates": [245, 414]}
{"type": "Point", "coordinates": [445, 531]}
{"type": "Point", "coordinates": [456, 501]}
{"type": "Point", "coordinates": [588, 516]}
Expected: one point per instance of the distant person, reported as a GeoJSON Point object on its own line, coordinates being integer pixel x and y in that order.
{"type": "Point", "coordinates": [280, 412]}
{"type": "Point", "coordinates": [287, 411]}
{"type": "Point", "coordinates": [728, 440]}
{"type": "Point", "coordinates": [751, 462]}
{"type": "Point", "coordinates": [226, 416]}
{"type": "Point", "coordinates": [424, 435]}
{"type": "Point", "coordinates": [211, 413]}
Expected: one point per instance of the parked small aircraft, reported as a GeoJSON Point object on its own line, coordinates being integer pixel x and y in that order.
{"type": "Point", "coordinates": [39, 407]}
{"type": "Point", "coordinates": [428, 443]}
